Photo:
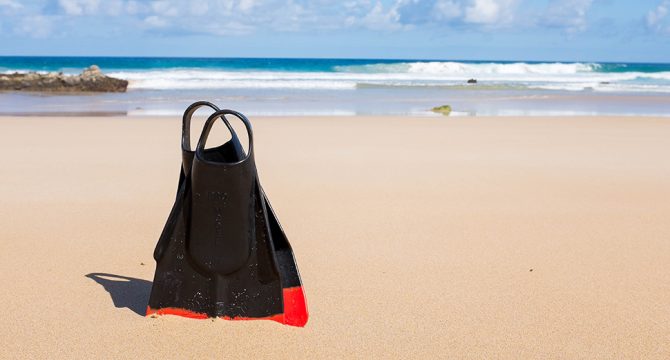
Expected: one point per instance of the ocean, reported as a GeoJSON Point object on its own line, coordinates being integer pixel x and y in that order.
{"type": "Point", "coordinates": [164, 86]}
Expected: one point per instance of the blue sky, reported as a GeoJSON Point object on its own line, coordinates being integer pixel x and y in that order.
{"type": "Point", "coordinates": [582, 30]}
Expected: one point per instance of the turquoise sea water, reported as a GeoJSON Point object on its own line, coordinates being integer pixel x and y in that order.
{"type": "Point", "coordinates": [52, 63]}
{"type": "Point", "coordinates": [355, 86]}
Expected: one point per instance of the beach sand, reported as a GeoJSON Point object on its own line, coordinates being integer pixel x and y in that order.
{"type": "Point", "coordinates": [509, 238]}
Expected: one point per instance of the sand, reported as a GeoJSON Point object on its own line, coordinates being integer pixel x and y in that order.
{"type": "Point", "coordinates": [509, 238]}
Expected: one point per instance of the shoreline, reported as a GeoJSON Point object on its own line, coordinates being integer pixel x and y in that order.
{"type": "Point", "coordinates": [453, 115]}
{"type": "Point", "coordinates": [366, 102]}
{"type": "Point", "coordinates": [432, 117]}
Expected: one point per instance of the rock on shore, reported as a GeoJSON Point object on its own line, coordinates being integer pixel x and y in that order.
{"type": "Point", "coordinates": [444, 110]}
{"type": "Point", "coordinates": [90, 80]}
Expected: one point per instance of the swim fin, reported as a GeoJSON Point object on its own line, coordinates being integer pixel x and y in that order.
{"type": "Point", "coordinates": [214, 259]}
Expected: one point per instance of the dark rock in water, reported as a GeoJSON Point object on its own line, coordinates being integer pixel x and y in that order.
{"type": "Point", "coordinates": [90, 80]}
{"type": "Point", "coordinates": [472, 81]}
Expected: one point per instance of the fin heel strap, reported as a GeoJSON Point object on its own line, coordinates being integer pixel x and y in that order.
{"type": "Point", "coordinates": [208, 127]}
{"type": "Point", "coordinates": [186, 122]}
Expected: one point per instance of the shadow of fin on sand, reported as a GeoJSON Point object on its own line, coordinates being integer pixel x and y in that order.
{"type": "Point", "coordinates": [126, 292]}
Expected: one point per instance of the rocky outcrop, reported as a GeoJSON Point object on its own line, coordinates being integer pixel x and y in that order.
{"type": "Point", "coordinates": [90, 80]}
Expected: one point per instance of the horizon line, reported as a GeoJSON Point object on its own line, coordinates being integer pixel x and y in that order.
{"type": "Point", "coordinates": [333, 58]}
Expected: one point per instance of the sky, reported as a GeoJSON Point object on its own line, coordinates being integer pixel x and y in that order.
{"type": "Point", "coordinates": [551, 30]}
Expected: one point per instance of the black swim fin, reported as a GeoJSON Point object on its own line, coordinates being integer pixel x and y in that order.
{"type": "Point", "coordinates": [222, 252]}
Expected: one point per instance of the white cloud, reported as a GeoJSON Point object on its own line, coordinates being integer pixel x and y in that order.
{"type": "Point", "coordinates": [447, 10]}
{"type": "Point", "coordinates": [199, 8]}
{"type": "Point", "coordinates": [482, 12]}
{"type": "Point", "coordinates": [114, 7]}
{"type": "Point", "coordinates": [166, 8]}
{"type": "Point", "coordinates": [569, 15]}
{"type": "Point", "coordinates": [214, 17]}
{"type": "Point", "coordinates": [656, 18]}
{"type": "Point", "coordinates": [246, 5]}
{"type": "Point", "coordinates": [95, 7]}
{"type": "Point", "coordinates": [225, 28]}
{"type": "Point", "coordinates": [79, 7]}
{"type": "Point", "coordinates": [226, 17]}
{"type": "Point", "coordinates": [378, 18]}
{"type": "Point", "coordinates": [11, 4]}
{"type": "Point", "coordinates": [155, 21]}
{"type": "Point", "coordinates": [476, 13]}
{"type": "Point", "coordinates": [134, 7]}
{"type": "Point", "coordinates": [37, 26]}
{"type": "Point", "coordinates": [220, 17]}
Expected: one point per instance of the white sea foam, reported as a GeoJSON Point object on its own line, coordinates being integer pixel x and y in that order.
{"type": "Point", "coordinates": [550, 76]}
{"type": "Point", "coordinates": [458, 68]}
{"type": "Point", "coordinates": [203, 79]}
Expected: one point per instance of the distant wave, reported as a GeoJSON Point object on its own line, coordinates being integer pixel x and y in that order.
{"type": "Point", "coordinates": [358, 74]}
{"type": "Point", "coordinates": [451, 75]}
{"type": "Point", "coordinates": [567, 77]}
{"type": "Point", "coordinates": [492, 76]}
{"type": "Point", "coordinates": [473, 69]}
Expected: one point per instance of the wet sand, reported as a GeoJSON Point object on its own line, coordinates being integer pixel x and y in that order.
{"type": "Point", "coordinates": [475, 237]}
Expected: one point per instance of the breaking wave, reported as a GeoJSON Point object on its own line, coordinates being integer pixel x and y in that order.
{"type": "Point", "coordinates": [549, 76]}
